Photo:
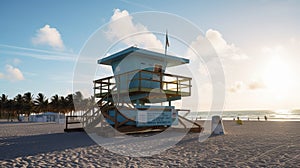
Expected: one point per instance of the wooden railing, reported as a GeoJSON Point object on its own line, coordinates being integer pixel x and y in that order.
{"type": "Point", "coordinates": [75, 121]}
{"type": "Point", "coordinates": [94, 112]}
{"type": "Point", "coordinates": [167, 82]}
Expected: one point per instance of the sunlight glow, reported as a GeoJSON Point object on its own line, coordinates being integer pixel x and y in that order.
{"type": "Point", "coordinates": [278, 78]}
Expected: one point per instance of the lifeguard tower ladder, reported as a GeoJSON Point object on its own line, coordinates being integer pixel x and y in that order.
{"type": "Point", "coordinates": [135, 97]}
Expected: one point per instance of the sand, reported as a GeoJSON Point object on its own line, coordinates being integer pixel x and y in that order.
{"type": "Point", "coordinates": [253, 144]}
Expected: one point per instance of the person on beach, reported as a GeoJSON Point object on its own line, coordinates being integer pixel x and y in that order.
{"type": "Point", "coordinates": [258, 118]}
{"type": "Point", "coordinates": [266, 118]}
{"type": "Point", "coordinates": [240, 122]}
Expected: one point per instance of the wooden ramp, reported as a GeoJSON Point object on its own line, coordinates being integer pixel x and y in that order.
{"type": "Point", "coordinates": [74, 123]}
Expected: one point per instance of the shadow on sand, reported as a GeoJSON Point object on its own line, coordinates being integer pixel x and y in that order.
{"type": "Point", "coordinates": [12, 147]}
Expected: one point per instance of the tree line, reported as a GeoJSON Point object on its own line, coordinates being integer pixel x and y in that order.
{"type": "Point", "coordinates": [26, 104]}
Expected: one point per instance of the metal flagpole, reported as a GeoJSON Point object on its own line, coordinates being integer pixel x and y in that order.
{"type": "Point", "coordinates": [167, 43]}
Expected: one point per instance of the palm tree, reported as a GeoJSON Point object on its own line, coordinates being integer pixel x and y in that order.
{"type": "Point", "coordinates": [28, 103]}
{"type": "Point", "coordinates": [18, 105]}
{"type": "Point", "coordinates": [63, 106]}
{"type": "Point", "coordinates": [91, 101]}
{"type": "Point", "coordinates": [66, 104]}
{"type": "Point", "coordinates": [3, 105]}
{"type": "Point", "coordinates": [10, 109]}
{"type": "Point", "coordinates": [70, 104]}
{"type": "Point", "coordinates": [41, 103]}
{"type": "Point", "coordinates": [87, 103]}
{"type": "Point", "coordinates": [55, 103]}
{"type": "Point", "coordinates": [78, 101]}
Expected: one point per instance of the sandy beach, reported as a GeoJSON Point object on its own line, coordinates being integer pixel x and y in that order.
{"type": "Point", "coordinates": [253, 144]}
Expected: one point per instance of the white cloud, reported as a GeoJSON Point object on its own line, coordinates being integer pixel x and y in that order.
{"type": "Point", "coordinates": [222, 47]}
{"type": "Point", "coordinates": [122, 26]}
{"type": "Point", "coordinates": [213, 50]}
{"type": "Point", "coordinates": [240, 86]}
{"type": "Point", "coordinates": [201, 46]}
{"type": "Point", "coordinates": [119, 14]}
{"type": "Point", "coordinates": [237, 87]}
{"type": "Point", "coordinates": [256, 85]}
{"type": "Point", "coordinates": [36, 53]}
{"type": "Point", "coordinates": [48, 36]}
{"type": "Point", "coordinates": [12, 74]}
{"type": "Point", "coordinates": [217, 45]}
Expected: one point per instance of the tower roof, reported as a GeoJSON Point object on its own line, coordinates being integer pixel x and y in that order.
{"type": "Point", "coordinates": [143, 53]}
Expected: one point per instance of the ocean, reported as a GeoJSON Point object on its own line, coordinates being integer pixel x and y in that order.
{"type": "Point", "coordinates": [276, 115]}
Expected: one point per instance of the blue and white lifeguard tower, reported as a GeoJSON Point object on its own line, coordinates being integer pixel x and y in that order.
{"type": "Point", "coordinates": [140, 93]}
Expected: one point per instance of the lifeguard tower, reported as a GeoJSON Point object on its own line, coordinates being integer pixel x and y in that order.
{"type": "Point", "coordinates": [140, 93]}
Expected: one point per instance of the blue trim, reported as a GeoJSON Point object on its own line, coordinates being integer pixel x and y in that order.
{"type": "Point", "coordinates": [121, 54]}
{"type": "Point", "coordinates": [116, 56]}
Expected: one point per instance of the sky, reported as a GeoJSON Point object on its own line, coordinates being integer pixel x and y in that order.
{"type": "Point", "coordinates": [257, 41]}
